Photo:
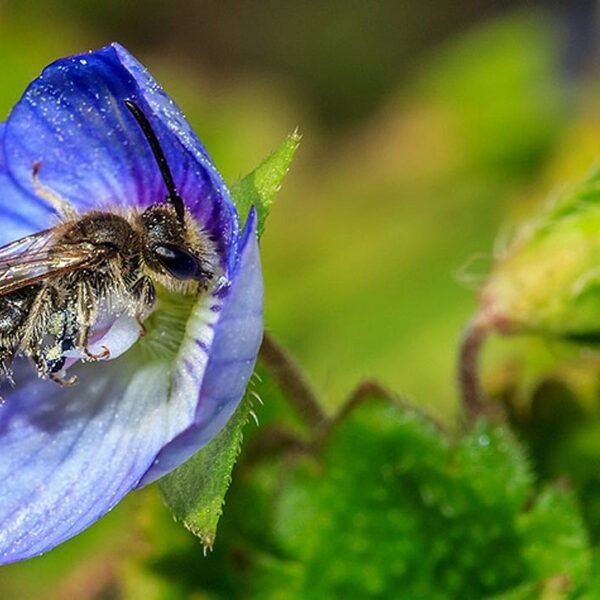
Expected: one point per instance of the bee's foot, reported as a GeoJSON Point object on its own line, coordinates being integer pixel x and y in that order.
{"type": "Point", "coordinates": [142, 326]}
{"type": "Point", "coordinates": [104, 355]}
{"type": "Point", "coordinates": [62, 381]}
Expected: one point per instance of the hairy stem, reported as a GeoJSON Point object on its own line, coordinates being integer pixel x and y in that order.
{"type": "Point", "coordinates": [292, 381]}
{"type": "Point", "coordinates": [468, 370]}
{"type": "Point", "coordinates": [366, 390]}
{"type": "Point", "coordinates": [369, 388]}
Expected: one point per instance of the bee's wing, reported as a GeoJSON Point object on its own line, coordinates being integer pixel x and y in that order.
{"type": "Point", "coordinates": [28, 244]}
{"type": "Point", "coordinates": [35, 258]}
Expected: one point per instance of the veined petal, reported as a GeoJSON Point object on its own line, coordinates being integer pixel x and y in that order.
{"type": "Point", "coordinates": [216, 212]}
{"type": "Point", "coordinates": [73, 120]}
{"type": "Point", "coordinates": [68, 455]}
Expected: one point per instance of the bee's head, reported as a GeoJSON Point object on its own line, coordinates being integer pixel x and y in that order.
{"type": "Point", "coordinates": [174, 250]}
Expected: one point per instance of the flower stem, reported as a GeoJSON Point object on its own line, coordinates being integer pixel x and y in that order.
{"type": "Point", "coordinates": [365, 390]}
{"type": "Point", "coordinates": [468, 370]}
{"type": "Point", "coordinates": [292, 381]}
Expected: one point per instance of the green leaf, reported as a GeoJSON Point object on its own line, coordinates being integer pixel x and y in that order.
{"type": "Point", "coordinates": [494, 467]}
{"type": "Point", "coordinates": [195, 491]}
{"type": "Point", "coordinates": [259, 187]}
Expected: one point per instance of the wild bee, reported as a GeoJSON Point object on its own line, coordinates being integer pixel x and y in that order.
{"type": "Point", "coordinates": [58, 284]}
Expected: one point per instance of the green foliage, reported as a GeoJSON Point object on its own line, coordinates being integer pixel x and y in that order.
{"type": "Point", "coordinates": [394, 506]}
{"type": "Point", "coordinates": [554, 522]}
{"type": "Point", "coordinates": [562, 437]}
{"type": "Point", "coordinates": [195, 491]}
{"type": "Point", "coordinates": [259, 187]}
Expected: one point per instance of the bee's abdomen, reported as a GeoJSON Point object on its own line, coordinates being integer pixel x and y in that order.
{"type": "Point", "coordinates": [14, 309]}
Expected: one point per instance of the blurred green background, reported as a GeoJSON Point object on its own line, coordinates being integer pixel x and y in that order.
{"type": "Point", "coordinates": [429, 127]}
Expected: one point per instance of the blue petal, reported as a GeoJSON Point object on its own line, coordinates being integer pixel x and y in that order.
{"type": "Point", "coordinates": [228, 365]}
{"type": "Point", "coordinates": [68, 455]}
{"type": "Point", "coordinates": [20, 213]}
{"type": "Point", "coordinates": [73, 119]}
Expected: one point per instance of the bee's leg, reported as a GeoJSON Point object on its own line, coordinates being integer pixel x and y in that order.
{"type": "Point", "coordinates": [49, 363]}
{"type": "Point", "coordinates": [39, 323]}
{"type": "Point", "coordinates": [84, 336]}
{"type": "Point", "coordinates": [7, 355]}
{"type": "Point", "coordinates": [144, 293]}
{"type": "Point", "coordinates": [86, 311]}
{"type": "Point", "coordinates": [43, 336]}
{"type": "Point", "coordinates": [62, 381]}
{"type": "Point", "coordinates": [63, 207]}
{"type": "Point", "coordinates": [63, 330]}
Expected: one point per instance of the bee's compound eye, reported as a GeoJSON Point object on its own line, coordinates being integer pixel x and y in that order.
{"type": "Point", "coordinates": [179, 262]}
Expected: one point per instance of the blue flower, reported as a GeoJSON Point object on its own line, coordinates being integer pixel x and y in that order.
{"type": "Point", "coordinates": [69, 454]}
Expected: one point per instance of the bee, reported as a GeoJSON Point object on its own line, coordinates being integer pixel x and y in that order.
{"type": "Point", "coordinates": [58, 284]}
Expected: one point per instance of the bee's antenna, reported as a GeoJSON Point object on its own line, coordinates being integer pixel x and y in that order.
{"type": "Point", "coordinates": [173, 196]}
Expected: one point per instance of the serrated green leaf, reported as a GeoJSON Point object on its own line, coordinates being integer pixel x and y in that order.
{"type": "Point", "coordinates": [195, 491]}
{"type": "Point", "coordinates": [259, 187]}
